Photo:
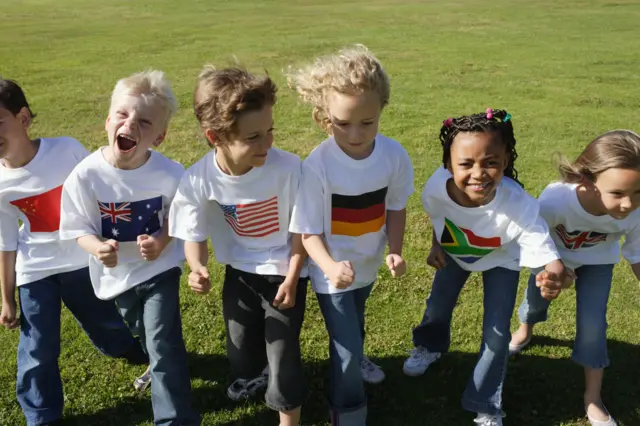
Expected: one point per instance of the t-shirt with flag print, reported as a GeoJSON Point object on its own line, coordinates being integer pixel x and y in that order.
{"type": "Point", "coordinates": [507, 232]}
{"type": "Point", "coordinates": [116, 204]}
{"type": "Point", "coordinates": [585, 239]}
{"type": "Point", "coordinates": [31, 195]}
{"type": "Point", "coordinates": [247, 216]}
{"type": "Point", "coordinates": [347, 200]}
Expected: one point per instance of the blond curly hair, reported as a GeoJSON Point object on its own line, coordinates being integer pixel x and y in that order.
{"type": "Point", "coordinates": [352, 70]}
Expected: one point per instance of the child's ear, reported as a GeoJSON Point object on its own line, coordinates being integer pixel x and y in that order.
{"type": "Point", "coordinates": [448, 167]}
{"type": "Point", "coordinates": [106, 123]}
{"type": "Point", "coordinates": [25, 117]}
{"type": "Point", "coordinates": [212, 138]}
{"type": "Point", "coordinates": [159, 139]}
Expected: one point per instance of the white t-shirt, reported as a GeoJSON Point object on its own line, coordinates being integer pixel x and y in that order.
{"type": "Point", "coordinates": [508, 232]}
{"type": "Point", "coordinates": [99, 199]}
{"type": "Point", "coordinates": [31, 194]}
{"type": "Point", "coordinates": [246, 216]}
{"type": "Point", "coordinates": [585, 239]}
{"type": "Point", "coordinates": [347, 201]}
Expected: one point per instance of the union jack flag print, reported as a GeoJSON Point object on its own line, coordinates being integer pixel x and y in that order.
{"type": "Point", "coordinates": [575, 240]}
{"type": "Point", "coordinates": [125, 221]}
{"type": "Point", "coordinates": [255, 220]}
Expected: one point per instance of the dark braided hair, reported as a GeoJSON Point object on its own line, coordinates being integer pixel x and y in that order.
{"type": "Point", "coordinates": [499, 124]}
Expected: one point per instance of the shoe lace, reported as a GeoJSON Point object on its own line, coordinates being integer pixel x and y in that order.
{"type": "Point", "coordinates": [419, 353]}
{"type": "Point", "coordinates": [367, 365]}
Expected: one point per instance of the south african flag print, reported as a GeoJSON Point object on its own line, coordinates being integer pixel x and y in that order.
{"type": "Point", "coordinates": [464, 245]}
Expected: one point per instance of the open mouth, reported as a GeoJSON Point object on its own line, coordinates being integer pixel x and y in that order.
{"type": "Point", "coordinates": [125, 143]}
{"type": "Point", "coordinates": [479, 187]}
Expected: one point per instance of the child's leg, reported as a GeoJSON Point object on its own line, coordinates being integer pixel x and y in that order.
{"type": "Point", "coordinates": [347, 395]}
{"type": "Point", "coordinates": [38, 384]}
{"type": "Point", "coordinates": [244, 320]}
{"type": "Point", "coordinates": [100, 319]}
{"type": "Point", "coordinates": [287, 389]}
{"type": "Point", "coordinates": [434, 332]}
{"type": "Point", "coordinates": [593, 285]}
{"type": "Point", "coordinates": [533, 309]}
{"type": "Point", "coordinates": [170, 381]}
{"type": "Point", "coordinates": [484, 390]}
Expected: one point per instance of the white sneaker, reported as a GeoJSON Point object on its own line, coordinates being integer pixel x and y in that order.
{"type": "Point", "coordinates": [244, 389]}
{"type": "Point", "coordinates": [419, 361]}
{"type": "Point", "coordinates": [143, 382]}
{"type": "Point", "coordinates": [609, 422]}
{"type": "Point", "coordinates": [371, 373]}
{"type": "Point", "coordinates": [488, 419]}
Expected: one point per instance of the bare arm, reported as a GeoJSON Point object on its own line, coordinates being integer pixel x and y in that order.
{"type": "Point", "coordinates": [396, 223]}
{"type": "Point", "coordinates": [317, 250]}
{"type": "Point", "coordinates": [90, 243]}
{"type": "Point", "coordinates": [197, 254]}
{"type": "Point", "coordinates": [298, 256]}
{"type": "Point", "coordinates": [8, 275]}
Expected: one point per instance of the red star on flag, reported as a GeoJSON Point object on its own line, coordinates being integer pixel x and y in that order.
{"type": "Point", "coordinates": [42, 210]}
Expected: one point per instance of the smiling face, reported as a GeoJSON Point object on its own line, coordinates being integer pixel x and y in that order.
{"type": "Point", "coordinates": [13, 132]}
{"type": "Point", "coordinates": [247, 145]}
{"type": "Point", "coordinates": [618, 191]}
{"type": "Point", "coordinates": [477, 163]}
{"type": "Point", "coordinates": [134, 124]}
{"type": "Point", "coordinates": [354, 121]}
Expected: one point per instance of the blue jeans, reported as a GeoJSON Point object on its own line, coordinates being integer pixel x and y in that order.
{"type": "Point", "coordinates": [152, 310]}
{"type": "Point", "coordinates": [484, 389]}
{"type": "Point", "coordinates": [38, 383]}
{"type": "Point", "coordinates": [593, 284]}
{"type": "Point", "coordinates": [344, 318]}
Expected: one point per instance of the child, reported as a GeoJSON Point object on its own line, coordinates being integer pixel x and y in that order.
{"type": "Point", "coordinates": [483, 221]}
{"type": "Point", "coordinates": [352, 199]}
{"type": "Point", "coordinates": [590, 210]}
{"type": "Point", "coordinates": [243, 192]}
{"type": "Point", "coordinates": [45, 269]}
{"type": "Point", "coordinates": [115, 204]}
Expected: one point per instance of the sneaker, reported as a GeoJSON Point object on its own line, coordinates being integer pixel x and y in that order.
{"type": "Point", "coordinates": [371, 373]}
{"type": "Point", "coordinates": [609, 422]}
{"type": "Point", "coordinates": [244, 389]}
{"type": "Point", "coordinates": [419, 361]}
{"type": "Point", "coordinates": [488, 419]}
{"type": "Point", "coordinates": [143, 382]}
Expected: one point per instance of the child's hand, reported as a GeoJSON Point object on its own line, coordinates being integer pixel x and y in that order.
{"type": "Point", "coordinates": [396, 265]}
{"type": "Point", "coordinates": [436, 258]}
{"type": "Point", "coordinates": [150, 247]}
{"type": "Point", "coordinates": [8, 316]}
{"type": "Point", "coordinates": [199, 280]}
{"type": "Point", "coordinates": [108, 253]}
{"type": "Point", "coordinates": [551, 280]}
{"type": "Point", "coordinates": [341, 274]}
{"type": "Point", "coordinates": [286, 297]}
{"type": "Point", "coordinates": [570, 277]}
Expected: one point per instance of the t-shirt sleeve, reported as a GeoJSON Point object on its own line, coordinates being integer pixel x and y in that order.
{"type": "Point", "coordinates": [9, 229]}
{"type": "Point", "coordinates": [79, 209]}
{"type": "Point", "coordinates": [190, 210]}
{"type": "Point", "coordinates": [435, 186]}
{"type": "Point", "coordinates": [78, 150]}
{"type": "Point", "coordinates": [631, 246]}
{"type": "Point", "coordinates": [401, 186]}
{"type": "Point", "coordinates": [308, 211]}
{"type": "Point", "coordinates": [536, 246]}
{"type": "Point", "coordinates": [296, 176]}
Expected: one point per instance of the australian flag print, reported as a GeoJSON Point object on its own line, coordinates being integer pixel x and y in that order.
{"type": "Point", "coordinates": [125, 221]}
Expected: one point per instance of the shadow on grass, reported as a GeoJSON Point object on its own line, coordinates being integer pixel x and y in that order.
{"type": "Point", "coordinates": [539, 391]}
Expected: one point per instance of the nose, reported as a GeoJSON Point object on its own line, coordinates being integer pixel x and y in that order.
{"type": "Point", "coordinates": [356, 134]}
{"type": "Point", "coordinates": [477, 172]}
{"type": "Point", "coordinates": [625, 203]}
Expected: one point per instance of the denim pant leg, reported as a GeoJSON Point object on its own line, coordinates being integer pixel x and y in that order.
{"type": "Point", "coordinates": [361, 301]}
{"type": "Point", "coordinates": [434, 332]}
{"type": "Point", "coordinates": [38, 383]}
{"type": "Point", "coordinates": [534, 308]}
{"type": "Point", "coordinates": [593, 285]}
{"type": "Point", "coordinates": [347, 395]}
{"type": "Point", "coordinates": [484, 390]}
{"type": "Point", "coordinates": [100, 319]}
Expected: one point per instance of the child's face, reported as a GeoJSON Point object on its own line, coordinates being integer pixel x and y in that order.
{"type": "Point", "coordinates": [354, 121]}
{"type": "Point", "coordinates": [13, 130]}
{"type": "Point", "coordinates": [134, 125]}
{"type": "Point", "coordinates": [477, 164]}
{"type": "Point", "coordinates": [619, 191]}
{"type": "Point", "coordinates": [247, 146]}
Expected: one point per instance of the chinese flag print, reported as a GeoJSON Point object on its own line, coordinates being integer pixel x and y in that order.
{"type": "Point", "coordinates": [42, 210]}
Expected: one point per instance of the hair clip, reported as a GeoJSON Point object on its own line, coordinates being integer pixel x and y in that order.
{"type": "Point", "coordinates": [448, 122]}
{"type": "Point", "coordinates": [506, 118]}
{"type": "Point", "coordinates": [489, 113]}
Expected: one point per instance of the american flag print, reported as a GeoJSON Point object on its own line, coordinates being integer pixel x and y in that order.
{"type": "Point", "coordinates": [255, 220]}
{"type": "Point", "coordinates": [575, 240]}
{"type": "Point", "coordinates": [125, 221]}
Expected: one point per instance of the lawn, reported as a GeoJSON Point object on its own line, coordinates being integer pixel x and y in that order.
{"type": "Point", "coordinates": [566, 71]}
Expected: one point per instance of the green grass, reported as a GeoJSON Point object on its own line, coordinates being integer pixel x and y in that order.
{"type": "Point", "coordinates": [567, 71]}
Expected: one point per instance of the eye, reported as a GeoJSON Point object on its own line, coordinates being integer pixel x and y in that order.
{"type": "Point", "coordinates": [253, 137]}
{"type": "Point", "coordinates": [493, 163]}
{"type": "Point", "coordinates": [369, 123]}
{"type": "Point", "coordinates": [270, 130]}
{"type": "Point", "coordinates": [335, 123]}
{"type": "Point", "coordinates": [465, 164]}
{"type": "Point", "coordinates": [145, 122]}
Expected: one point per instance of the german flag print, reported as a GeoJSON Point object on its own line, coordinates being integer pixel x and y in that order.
{"type": "Point", "coordinates": [356, 215]}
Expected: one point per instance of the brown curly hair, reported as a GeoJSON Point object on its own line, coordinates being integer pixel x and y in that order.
{"type": "Point", "coordinates": [222, 96]}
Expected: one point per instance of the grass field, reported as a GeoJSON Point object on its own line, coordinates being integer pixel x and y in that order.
{"type": "Point", "coordinates": [566, 71]}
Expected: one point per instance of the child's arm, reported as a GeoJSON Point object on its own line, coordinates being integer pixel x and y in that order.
{"type": "Point", "coordinates": [341, 274]}
{"type": "Point", "coordinates": [436, 257]}
{"type": "Point", "coordinates": [396, 223]}
{"type": "Point", "coordinates": [197, 254]}
{"type": "Point", "coordinates": [286, 296]}
{"type": "Point", "coordinates": [8, 316]}
{"type": "Point", "coordinates": [151, 246]}
{"type": "Point", "coordinates": [105, 251]}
